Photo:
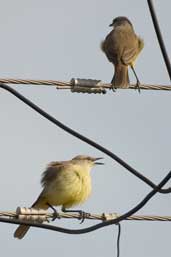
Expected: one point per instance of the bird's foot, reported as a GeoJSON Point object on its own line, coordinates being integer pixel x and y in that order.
{"type": "Point", "coordinates": [55, 213]}
{"type": "Point", "coordinates": [113, 87]}
{"type": "Point", "coordinates": [138, 86]}
{"type": "Point", "coordinates": [83, 215]}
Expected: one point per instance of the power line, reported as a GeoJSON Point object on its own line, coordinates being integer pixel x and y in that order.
{"type": "Point", "coordinates": [80, 85]}
{"type": "Point", "coordinates": [44, 215]}
{"type": "Point", "coordinates": [159, 36]}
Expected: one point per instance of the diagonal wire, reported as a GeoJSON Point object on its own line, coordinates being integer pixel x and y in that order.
{"type": "Point", "coordinates": [159, 36]}
{"type": "Point", "coordinates": [81, 137]}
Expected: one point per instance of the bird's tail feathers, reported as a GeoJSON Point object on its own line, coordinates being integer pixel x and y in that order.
{"type": "Point", "coordinates": [120, 78]}
{"type": "Point", "coordinates": [21, 231]}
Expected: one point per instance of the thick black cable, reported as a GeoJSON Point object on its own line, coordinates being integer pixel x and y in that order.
{"type": "Point", "coordinates": [159, 36]}
{"type": "Point", "coordinates": [99, 225]}
{"type": "Point", "coordinates": [81, 137]}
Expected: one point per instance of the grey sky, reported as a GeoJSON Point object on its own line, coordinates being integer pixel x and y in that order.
{"type": "Point", "coordinates": [60, 40]}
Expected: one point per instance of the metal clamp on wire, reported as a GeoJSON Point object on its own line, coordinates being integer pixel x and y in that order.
{"type": "Point", "coordinates": [90, 86]}
{"type": "Point", "coordinates": [31, 214]}
{"type": "Point", "coordinates": [110, 216]}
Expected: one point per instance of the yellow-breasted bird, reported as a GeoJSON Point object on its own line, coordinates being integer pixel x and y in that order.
{"type": "Point", "coordinates": [65, 183]}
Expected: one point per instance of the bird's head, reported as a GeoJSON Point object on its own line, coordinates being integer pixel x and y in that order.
{"type": "Point", "coordinates": [121, 20]}
{"type": "Point", "coordinates": [87, 160]}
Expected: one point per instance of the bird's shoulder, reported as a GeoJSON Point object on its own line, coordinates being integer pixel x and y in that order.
{"type": "Point", "coordinates": [108, 44]}
{"type": "Point", "coordinates": [114, 37]}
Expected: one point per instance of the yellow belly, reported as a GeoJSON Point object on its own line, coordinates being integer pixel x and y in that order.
{"type": "Point", "coordinates": [68, 191]}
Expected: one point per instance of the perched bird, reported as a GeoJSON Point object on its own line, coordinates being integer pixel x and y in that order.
{"type": "Point", "coordinates": [65, 183]}
{"type": "Point", "coordinates": [122, 47]}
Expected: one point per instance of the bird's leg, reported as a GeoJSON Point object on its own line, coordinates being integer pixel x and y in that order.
{"type": "Point", "coordinates": [138, 82]}
{"type": "Point", "coordinates": [55, 213]}
{"type": "Point", "coordinates": [113, 85]}
{"type": "Point", "coordinates": [83, 215]}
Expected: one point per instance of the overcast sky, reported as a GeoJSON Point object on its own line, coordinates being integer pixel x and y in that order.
{"type": "Point", "coordinates": [60, 40]}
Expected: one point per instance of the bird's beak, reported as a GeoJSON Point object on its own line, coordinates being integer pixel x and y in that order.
{"type": "Point", "coordinates": [111, 25]}
{"type": "Point", "coordinates": [98, 163]}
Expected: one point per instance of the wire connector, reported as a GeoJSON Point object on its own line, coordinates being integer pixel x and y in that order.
{"type": "Point", "coordinates": [31, 214]}
{"type": "Point", "coordinates": [110, 216]}
{"type": "Point", "coordinates": [90, 86]}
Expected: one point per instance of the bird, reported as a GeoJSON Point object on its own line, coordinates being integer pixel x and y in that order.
{"type": "Point", "coordinates": [66, 184]}
{"type": "Point", "coordinates": [122, 46]}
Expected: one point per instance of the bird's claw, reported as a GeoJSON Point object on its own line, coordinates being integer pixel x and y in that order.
{"type": "Point", "coordinates": [113, 87]}
{"type": "Point", "coordinates": [83, 216]}
{"type": "Point", "coordinates": [55, 215]}
{"type": "Point", "coordinates": [138, 87]}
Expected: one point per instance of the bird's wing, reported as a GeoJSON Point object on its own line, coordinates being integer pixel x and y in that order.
{"type": "Point", "coordinates": [129, 56]}
{"type": "Point", "coordinates": [140, 43]}
{"type": "Point", "coordinates": [51, 172]}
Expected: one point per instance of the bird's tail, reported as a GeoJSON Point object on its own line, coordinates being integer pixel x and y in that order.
{"type": "Point", "coordinates": [22, 229]}
{"type": "Point", "coordinates": [120, 78]}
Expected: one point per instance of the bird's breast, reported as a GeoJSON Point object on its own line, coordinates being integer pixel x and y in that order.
{"type": "Point", "coordinates": [69, 189]}
{"type": "Point", "coordinates": [79, 190]}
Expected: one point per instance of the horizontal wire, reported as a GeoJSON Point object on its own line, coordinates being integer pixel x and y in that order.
{"type": "Point", "coordinates": [102, 217]}
{"type": "Point", "coordinates": [34, 82]}
{"type": "Point", "coordinates": [68, 85]}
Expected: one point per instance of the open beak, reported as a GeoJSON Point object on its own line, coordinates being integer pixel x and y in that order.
{"type": "Point", "coordinates": [98, 163]}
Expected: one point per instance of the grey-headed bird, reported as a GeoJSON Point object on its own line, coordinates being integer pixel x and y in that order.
{"type": "Point", "coordinates": [122, 46]}
{"type": "Point", "coordinates": [65, 183]}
